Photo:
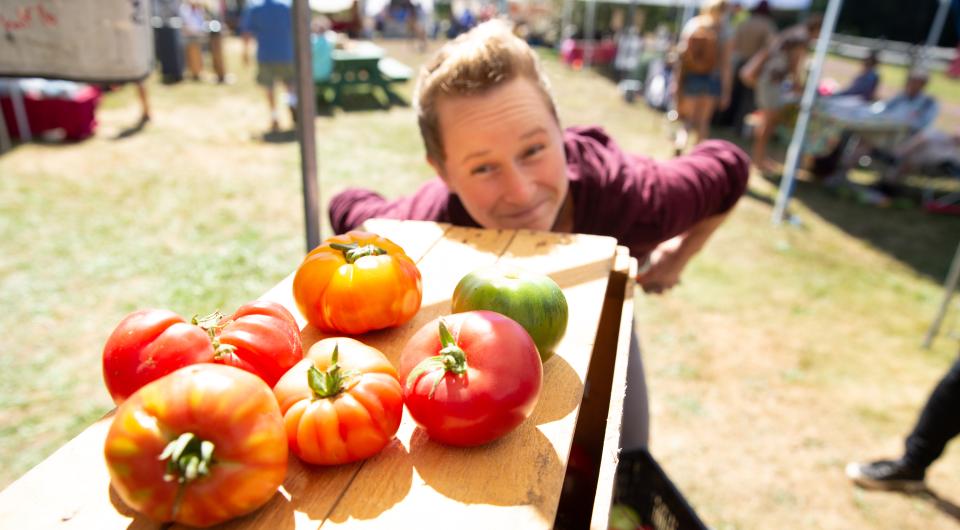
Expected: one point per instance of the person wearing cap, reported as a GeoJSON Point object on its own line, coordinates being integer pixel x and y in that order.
{"type": "Point", "coordinates": [914, 107]}
{"type": "Point", "coordinates": [491, 133]}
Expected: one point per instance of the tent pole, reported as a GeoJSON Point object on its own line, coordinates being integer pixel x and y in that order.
{"type": "Point", "coordinates": [949, 287]}
{"type": "Point", "coordinates": [589, 29]}
{"type": "Point", "coordinates": [806, 105]}
{"type": "Point", "coordinates": [305, 112]}
{"type": "Point", "coordinates": [937, 28]}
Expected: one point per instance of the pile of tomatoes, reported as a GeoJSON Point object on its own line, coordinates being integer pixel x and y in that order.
{"type": "Point", "coordinates": [209, 408]}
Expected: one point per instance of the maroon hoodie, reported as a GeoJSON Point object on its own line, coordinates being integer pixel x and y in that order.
{"type": "Point", "coordinates": [633, 198]}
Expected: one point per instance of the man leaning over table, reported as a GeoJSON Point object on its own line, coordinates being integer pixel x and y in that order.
{"type": "Point", "coordinates": [491, 133]}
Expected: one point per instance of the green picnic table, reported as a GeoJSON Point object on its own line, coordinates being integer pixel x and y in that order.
{"type": "Point", "coordinates": [361, 67]}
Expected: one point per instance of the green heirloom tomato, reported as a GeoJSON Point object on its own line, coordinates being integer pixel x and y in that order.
{"type": "Point", "coordinates": [533, 300]}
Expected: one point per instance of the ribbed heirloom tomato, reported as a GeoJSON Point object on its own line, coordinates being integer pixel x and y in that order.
{"type": "Point", "coordinates": [260, 337]}
{"type": "Point", "coordinates": [199, 446]}
{"type": "Point", "coordinates": [470, 378]}
{"type": "Point", "coordinates": [357, 282]}
{"type": "Point", "coordinates": [341, 403]}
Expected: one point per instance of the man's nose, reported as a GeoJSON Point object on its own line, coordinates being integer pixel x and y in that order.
{"type": "Point", "coordinates": [521, 187]}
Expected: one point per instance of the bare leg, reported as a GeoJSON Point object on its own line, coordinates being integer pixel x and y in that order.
{"type": "Point", "coordinates": [761, 137]}
{"type": "Point", "coordinates": [291, 99]}
{"type": "Point", "coordinates": [704, 113]}
{"type": "Point", "coordinates": [687, 111]}
{"type": "Point", "coordinates": [272, 105]}
{"type": "Point", "coordinates": [144, 102]}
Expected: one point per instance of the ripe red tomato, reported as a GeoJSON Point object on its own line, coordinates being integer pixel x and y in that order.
{"type": "Point", "coordinates": [199, 446]}
{"type": "Point", "coordinates": [341, 403]}
{"type": "Point", "coordinates": [261, 337]}
{"type": "Point", "coordinates": [357, 282]}
{"type": "Point", "coordinates": [147, 345]}
{"type": "Point", "coordinates": [472, 382]}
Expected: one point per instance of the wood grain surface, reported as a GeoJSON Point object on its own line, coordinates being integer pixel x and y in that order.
{"type": "Point", "coordinates": [514, 482]}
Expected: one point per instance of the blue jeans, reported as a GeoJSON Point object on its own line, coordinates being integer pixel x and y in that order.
{"type": "Point", "coordinates": [701, 85]}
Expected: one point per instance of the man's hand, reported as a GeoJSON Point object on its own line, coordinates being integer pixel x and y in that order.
{"type": "Point", "coordinates": [667, 261]}
{"type": "Point", "coordinates": [663, 269]}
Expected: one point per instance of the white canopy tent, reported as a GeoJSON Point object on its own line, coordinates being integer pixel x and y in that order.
{"type": "Point", "coordinates": [810, 92]}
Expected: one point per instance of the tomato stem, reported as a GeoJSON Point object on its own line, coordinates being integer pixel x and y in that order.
{"type": "Point", "coordinates": [188, 458]}
{"type": "Point", "coordinates": [352, 252]}
{"type": "Point", "coordinates": [451, 359]}
{"type": "Point", "coordinates": [332, 381]}
{"type": "Point", "coordinates": [209, 323]}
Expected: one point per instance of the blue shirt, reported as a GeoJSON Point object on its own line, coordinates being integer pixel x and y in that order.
{"type": "Point", "coordinates": [919, 112]}
{"type": "Point", "coordinates": [864, 85]}
{"type": "Point", "coordinates": [271, 22]}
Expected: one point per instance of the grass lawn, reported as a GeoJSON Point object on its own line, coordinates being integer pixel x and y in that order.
{"type": "Point", "coordinates": [785, 352]}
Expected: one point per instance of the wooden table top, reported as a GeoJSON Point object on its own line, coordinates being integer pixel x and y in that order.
{"type": "Point", "coordinates": [514, 482]}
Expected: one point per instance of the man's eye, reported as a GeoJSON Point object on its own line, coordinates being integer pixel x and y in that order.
{"type": "Point", "coordinates": [482, 170]}
{"type": "Point", "coordinates": [533, 151]}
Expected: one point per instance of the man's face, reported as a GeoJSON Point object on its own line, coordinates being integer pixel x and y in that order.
{"type": "Point", "coordinates": [504, 156]}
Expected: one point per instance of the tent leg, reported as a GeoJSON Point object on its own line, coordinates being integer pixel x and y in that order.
{"type": "Point", "coordinates": [949, 288]}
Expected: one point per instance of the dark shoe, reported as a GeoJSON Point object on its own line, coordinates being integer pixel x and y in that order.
{"type": "Point", "coordinates": [886, 475]}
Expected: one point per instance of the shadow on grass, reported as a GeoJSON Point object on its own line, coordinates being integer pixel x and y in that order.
{"type": "Point", "coordinates": [134, 129]}
{"type": "Point", "coordinates": [362, 100]}
{"type": "Point", "coordinates": [923, 241]}
{"type": "Point", "coordinates": [279, 137]}
{"type": "Point", "coordinates": [946, 506]}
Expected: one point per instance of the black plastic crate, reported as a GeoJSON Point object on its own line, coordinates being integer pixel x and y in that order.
{"type": "Point", "coordinates": [642, 485]}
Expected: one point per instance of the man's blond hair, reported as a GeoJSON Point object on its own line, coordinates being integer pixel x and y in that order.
{"type": "Point", "coordinates": [474, 63]}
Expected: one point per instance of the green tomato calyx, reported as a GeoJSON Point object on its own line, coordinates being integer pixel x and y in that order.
{"type": "Point", "coordinates": [352, 252]}
{"type": "Point", "coordinates": [188, 458]}
{"type": "Point", "coordinates": [213, 324]}
{"type": "Point", "coordinates": [451, 359]}
{"type": "Point", "coordinates": [333, 380]}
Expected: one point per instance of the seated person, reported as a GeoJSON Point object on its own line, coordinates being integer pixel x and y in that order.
{"type": "Point", "coordinates": [491, 133]}
{"type": "Point", "coordinates": [865, 84]}
{"type": "Point", "coordinates": [929, 148]}
{"type": "Point", "coordinates": [912, 109]}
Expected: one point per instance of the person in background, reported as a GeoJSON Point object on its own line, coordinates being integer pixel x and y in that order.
{"type": "Point", "coordinates": [867, 81]}
{"type": "Point", "coordinates": [144, 101]}
{"type": "Point", "coordinates": [704, 77]}
{"type": "Point", "coordinates": [780, 84]}
{"type": "Point", "coordinates": [492, 134]}
{"type": "Point", "coordinates": [194, 30]}
{"type": "Point", "coordinates": [270, 23]}
{"type": "Point", "coordinates": [939, 422]}
{"type": "Point", "coordinates": [752, 36]}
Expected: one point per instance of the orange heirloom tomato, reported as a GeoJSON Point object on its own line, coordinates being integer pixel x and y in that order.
{"type": "Point", "coordinates": [198, 446]}
{"type": "Point", "coordinates": [341, 403]}
{"type": "Point", "coordinates": [357, 282]}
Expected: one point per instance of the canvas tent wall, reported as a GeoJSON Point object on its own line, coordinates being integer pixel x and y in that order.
{"type": "Point", "coordinates": [106, 40]}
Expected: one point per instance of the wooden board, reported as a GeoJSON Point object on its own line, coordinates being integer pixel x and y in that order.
{"type": "Point", "coordinates": [514, 482]}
